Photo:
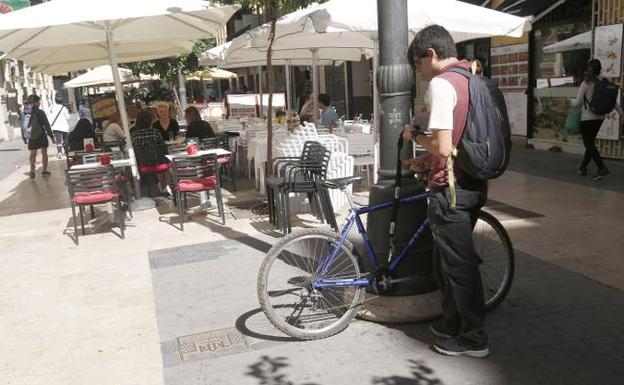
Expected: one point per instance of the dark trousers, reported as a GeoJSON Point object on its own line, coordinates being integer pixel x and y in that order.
{"type": "Point", "coordinates": [460, 280]}
{"type": "Point", "coordinates": [589, 130]}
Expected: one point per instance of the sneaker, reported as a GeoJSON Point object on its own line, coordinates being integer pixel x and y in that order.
{"type": "Point", "coordinates": [31, 174]}
{"type": "Point", "coordinates": [601, 174]}
{"type": "Point", "coordinates": [441, 329]}
{"type": "Point", "coordinates": [452, 347]}
{"type": "Point", "coordinates": [46, 173]}
{"type": "Point", "coordinates": [582, 171]}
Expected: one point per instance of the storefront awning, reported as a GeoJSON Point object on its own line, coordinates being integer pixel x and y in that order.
{"type": "Point", "coordinates": [527, 7]}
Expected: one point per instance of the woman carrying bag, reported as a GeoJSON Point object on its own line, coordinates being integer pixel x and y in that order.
{"type": "Point", "coordinates": [591, 121]}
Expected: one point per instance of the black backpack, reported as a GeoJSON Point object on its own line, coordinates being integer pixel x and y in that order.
{"type": "Point", "coordinates": [604, 97]}
{"type": "Point", "coordinates": [485, 145]}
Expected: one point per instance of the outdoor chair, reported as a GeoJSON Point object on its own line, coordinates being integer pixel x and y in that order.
{"type": "Point", "coordinates": [145, 156]}
{"type": "Point", "coordinates": [303, 175]}
{"type": "Point", "coordinates": [112, 146]}
{"type": "Point", "coordinates": [193, 174]}
{"type": "Point", "coordinates": [222, 141]}
{"type": "Point", "coordinates": [91, 187]}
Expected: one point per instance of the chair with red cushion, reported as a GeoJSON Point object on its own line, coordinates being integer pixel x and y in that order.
{"type": "Point", "coordinates": [93, 186]}
{"type": "Point", "coordinates": [221, 141]}
{"type": "Point", "coordinates": [192, 174]}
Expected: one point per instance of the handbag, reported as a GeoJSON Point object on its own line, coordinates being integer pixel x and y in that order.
{"type": "Point", "coordinates": [573, 121]}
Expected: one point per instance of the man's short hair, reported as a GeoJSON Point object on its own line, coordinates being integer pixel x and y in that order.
{"type": "Point", "coordinates": [324, 98]}
{"type": "Point", "coordinates": [33, 98]}
{"type": "Point", "coordinates": [435, 37]}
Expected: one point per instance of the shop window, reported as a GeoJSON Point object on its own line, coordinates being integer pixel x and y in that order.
{"type": "Point", "coordinates": [560, 59]}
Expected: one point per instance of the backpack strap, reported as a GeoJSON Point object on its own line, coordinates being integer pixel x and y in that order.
{"type": "Point", "coordinates": [450, 160]}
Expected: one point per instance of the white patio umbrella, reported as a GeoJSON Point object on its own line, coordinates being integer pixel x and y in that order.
{"type": "Point", "coordinates": [103, 75]}
{"type": "Point", "coordinates": [580, 41]}
{"type": "Point", "coordinates": [353, 24]}
{"type": "Point", "coordinates": [63, 35]}
{"type": "Point", "coordinates": [211, 73]}
{"type": "Point", "coordinates": [239, 53]}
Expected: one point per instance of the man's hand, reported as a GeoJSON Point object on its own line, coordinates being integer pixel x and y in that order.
{"type": "Point", "coordinates": [417, 164]}
{"type": "Point", "coordinates": [407, 132]}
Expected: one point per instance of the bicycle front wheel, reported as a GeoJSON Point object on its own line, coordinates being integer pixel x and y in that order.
{"type": "Point", "coordinates": [492, 244]}
{"type": "Point", "coordinates": [286, 285]}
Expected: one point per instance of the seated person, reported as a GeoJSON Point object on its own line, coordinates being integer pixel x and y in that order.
{"type": "Point", "coordinates": [280, 115]}
{"type": "Point", "coordinates": [329, 117]}
{"type": "Point", "coordinates": [303, 119]}
{"type": "Point", "coordinates": [83, 130]}
{"type": "Point", "coordinates": [167, 127]}
{"type": "Point", "coordinates": [150, 150]}
{"type": "Point", "coordinates": [197, 128]}
{"type": "Point", "coordinates": [113, 131]}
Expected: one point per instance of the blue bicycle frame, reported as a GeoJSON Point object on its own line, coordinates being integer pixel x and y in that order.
{"type": "Point", "coordinates": [354, 217]}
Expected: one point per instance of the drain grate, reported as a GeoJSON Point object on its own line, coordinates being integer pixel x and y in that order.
{"type": "Point", "coordinates": [210, 344]}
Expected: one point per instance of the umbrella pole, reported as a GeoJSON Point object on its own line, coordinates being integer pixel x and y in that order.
{"type": "Point", "coordinates": [315, 83]}
{"type": "Point", "coordinates": [288, 105]}
{"type": "Point", "coordinates": [376, 117]}
{"type": "Point", "coordinates": [139, 203]}
{"type": "Point", "coordinates": [260, 91]}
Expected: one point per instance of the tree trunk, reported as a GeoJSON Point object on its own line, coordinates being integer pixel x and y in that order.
{"type": "Point", "coordinates": [270, 105]}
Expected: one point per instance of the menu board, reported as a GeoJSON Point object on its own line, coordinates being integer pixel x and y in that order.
{"type": "Point", "coordinates": [608, 49]}
{"type": "Point", "coordinates": [510, 66]}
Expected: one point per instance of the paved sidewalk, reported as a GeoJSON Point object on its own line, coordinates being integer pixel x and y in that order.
{"type": "Point", "coordinates": [109, 310]}
{"type": "Point", "coordinates": [556, 327]}
{"type": "Point", "coordinates": [12, 155]}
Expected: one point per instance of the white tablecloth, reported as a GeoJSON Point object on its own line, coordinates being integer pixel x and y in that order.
{"type": "Point", "coordinates": [115, 163]}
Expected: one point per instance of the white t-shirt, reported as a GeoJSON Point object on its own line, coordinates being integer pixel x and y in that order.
{"type": "Point", "coordinates": [61, 123]}
{"type": "Point", "coordinates": [440, 99]}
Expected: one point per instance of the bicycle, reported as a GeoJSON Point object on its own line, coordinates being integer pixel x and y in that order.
{"type": "Point", "coordinates": [329, 280]}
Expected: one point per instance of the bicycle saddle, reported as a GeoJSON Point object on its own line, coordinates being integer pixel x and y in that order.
{"type": "Point", "coordinates": [341, 182]}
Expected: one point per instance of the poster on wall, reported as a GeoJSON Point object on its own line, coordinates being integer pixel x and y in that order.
{"type": "Point", "coordinates": [510, 66]}
{"type": "Point", "coordinates": [610, 128]}
{"type": "Point", "coordinates": [608, 49]}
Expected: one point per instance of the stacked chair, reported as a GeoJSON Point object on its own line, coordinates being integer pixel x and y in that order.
{"type": "Point", "coordinates": [303, 174]}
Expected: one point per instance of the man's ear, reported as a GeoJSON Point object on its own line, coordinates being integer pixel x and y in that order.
{"type": "Point", "coordinates": [432, 53]}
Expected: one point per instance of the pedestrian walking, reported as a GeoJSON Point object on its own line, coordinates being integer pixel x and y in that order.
{"type": "Point", "coordinates": [36, 132]}
{"type": "Point", "coordinates": [591, 120]}
{"type": "Point", "coordinates": [59, 117]}
{"type": "Point", "coordinates": [455, 197]}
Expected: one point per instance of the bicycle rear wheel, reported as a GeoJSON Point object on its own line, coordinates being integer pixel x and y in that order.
{"type": "Point", "coordinates": [493, 246]}
{"type": "Point", "coordinates": [285, 289]}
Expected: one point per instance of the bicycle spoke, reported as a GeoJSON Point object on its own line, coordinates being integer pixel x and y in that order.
{"type": "Point", "coordinates": [288, 296]}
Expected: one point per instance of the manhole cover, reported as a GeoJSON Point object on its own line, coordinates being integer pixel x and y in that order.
{"type": "Point", "coordinates": [210, 344]}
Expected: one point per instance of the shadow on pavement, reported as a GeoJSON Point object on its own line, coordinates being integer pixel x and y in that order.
{"type": "Point", "coordinates": [39, 194]}
{"type": "Point", "coordinates": [421, 375]}
{"type": "Point", "coordinates": [268, 371]}
{"type": "Point", "coordinates": [244, 326]}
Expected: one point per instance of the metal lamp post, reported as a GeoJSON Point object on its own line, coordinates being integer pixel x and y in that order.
{"type": "Point", "coordinates": [395, 78]}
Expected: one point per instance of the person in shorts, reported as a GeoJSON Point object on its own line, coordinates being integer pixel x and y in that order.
{"type": "Point", "coordinates": [40, 130]}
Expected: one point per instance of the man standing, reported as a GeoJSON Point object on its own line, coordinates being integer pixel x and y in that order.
{"type": "Point", "coordinates": [38, 136]}
{"type": "Point", "coordinates": [60, 127]}
{"type": "Point", "coordinates": [329, 117]}
{"type": "Point", "coordinates": [461, 331]}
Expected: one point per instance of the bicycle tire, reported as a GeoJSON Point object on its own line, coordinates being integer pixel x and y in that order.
{"type": "Point", "coordinates": [265, 294]}
{"type": "Point", "coordinates": [501, 289]}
